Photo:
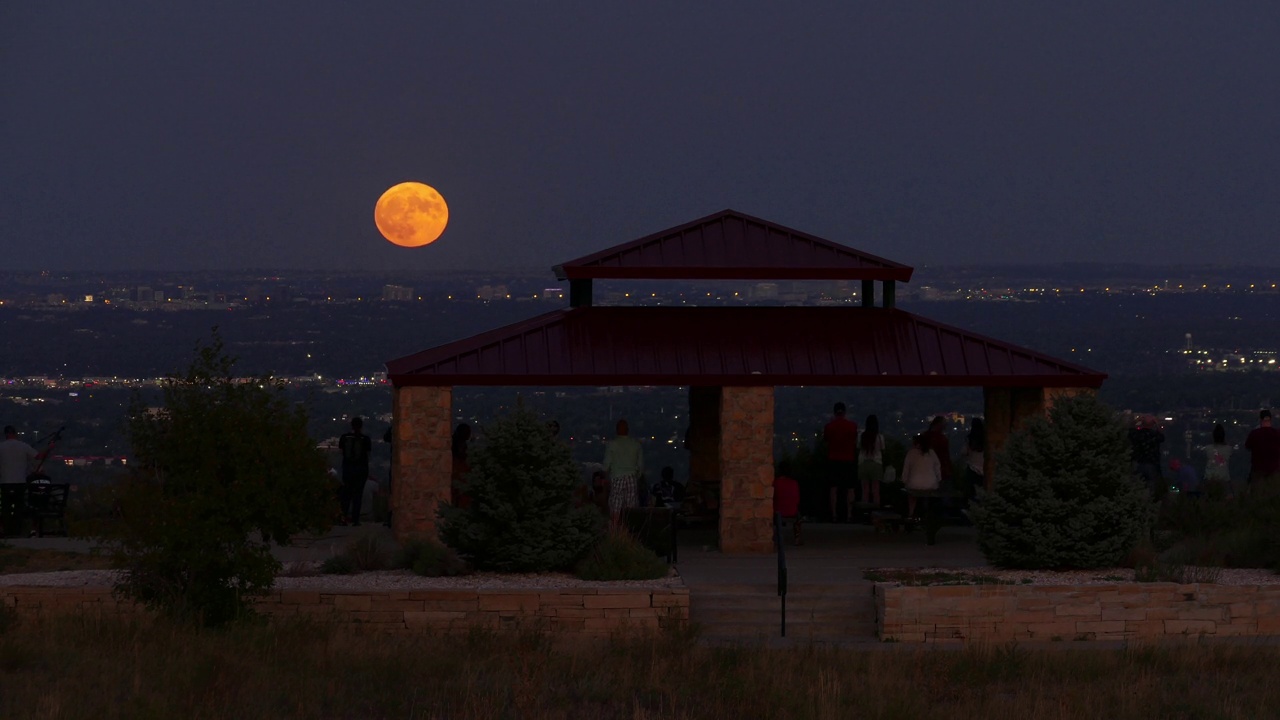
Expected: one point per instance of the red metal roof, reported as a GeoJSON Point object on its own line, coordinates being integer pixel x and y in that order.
{"type": "Point", "coordinates": [731, 246]}
{"type": "Point", "coordinates": [737, 346]}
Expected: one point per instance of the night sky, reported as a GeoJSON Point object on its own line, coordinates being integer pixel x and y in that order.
{"type": "Point", "coordinates": [174, 135]}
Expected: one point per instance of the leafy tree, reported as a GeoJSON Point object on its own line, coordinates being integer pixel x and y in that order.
{"type": "Point", "coordinates": [224, 468]}
{"type": "Point", "coordinates": [1064, 495]}
{"type": "Point", "coordinates": [521, 515]}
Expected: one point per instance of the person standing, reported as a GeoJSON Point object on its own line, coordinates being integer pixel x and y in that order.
{"type": "Point", "coordinates": [921, 470]}
{"type": "Point", "coordinates": [460, 467]}
{"type": "Point", "coordinates": [356, 447]}
{"type": "Point", "coordinates": [1217, 466]}
{"type": "Point", "coordinates": [624, 463]}
{"type": "Point", "coordinates": [871, 460]}
{"type": "Point", "coordinates": [975, 456]}
{"type": "Point", "coordinates": [1263, 445]}
{"type": "Point", "coordinates": [15, 457]}
{"type": "Point", "coordinates": [941, 447]}
{"type": "Point", "coordinates": [841, 435]}
{"type": "Point", "coordinates": [1145, 441]}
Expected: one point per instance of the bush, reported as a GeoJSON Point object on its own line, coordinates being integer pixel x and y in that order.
{"type": "Point", "coordinates": [368, 552]}
{"type": "Point", "coordinates": [521, 517]}
{"type": "Point", "coordinates": [619, 556]}
{"type": "Point", "coordinates": [224, 469]}
{"type": "Point", "coordinates": [1231, 533]}
{"type": "Point", "coordinates": [652, 527]}
{"type": "Point", "coordinates": [1064, 495]}
{"type": "Point", "coordinates": [338, 565]}
{"type": "Point", "coordinates": [429, 558]}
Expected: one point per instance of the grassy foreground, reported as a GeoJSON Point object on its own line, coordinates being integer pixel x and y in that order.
{"type": "Point", "coordinates": [80, 668]}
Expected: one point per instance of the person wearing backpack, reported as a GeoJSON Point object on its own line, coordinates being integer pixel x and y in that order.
{"type": "Point", "coordinates": [355, 447]}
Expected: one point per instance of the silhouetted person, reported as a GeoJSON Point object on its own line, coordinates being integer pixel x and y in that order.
{"type": "Point", "coordinates": [1145, 441]}
{"type": "Point", "coordinates": [786, 501]}
{"type": "Point", "coordinates": [624, 462]}
{"type": "Point", "coordinates": [1217, 466]}
{"type": "Point", "coordinates": [841, 435]}
{"type": "Point", "coordinates": [921, 469]}
{"type": "Point", "coordinates": [871, 460]}
{"type": "Point", "coordinates": [975, 455]}
{"type": "Point", "coordinates": [667, 492]}
{"type": "Point", "coordinates": [941, 447]}
{"type": "Point", "coordinates": [355, 447]}
{"type": "Point", "coordinates": [460, 467]}
{"type": "Point", "coordinates": [15, 457]}
{"type": "Point", "coordinates": [1263, 445]}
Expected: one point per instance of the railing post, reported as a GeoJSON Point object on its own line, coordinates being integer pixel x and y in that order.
{"type": "Point", "coordinates": [782, 568]}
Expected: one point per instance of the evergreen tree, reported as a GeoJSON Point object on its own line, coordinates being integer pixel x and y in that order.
{"type": "Point", "coordinates": [223, 469]}
{"type": "Point", "coordinates": [521, 516]}
{"type": "Point", "coordinates": [1064, 494]}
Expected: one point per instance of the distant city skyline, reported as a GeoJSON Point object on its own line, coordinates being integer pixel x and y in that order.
{"type": "Point", "coordinates": [261, 135]}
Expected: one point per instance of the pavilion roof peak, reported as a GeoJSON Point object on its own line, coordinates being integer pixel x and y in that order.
{"type": "Point", "coordinates": [730, 245]}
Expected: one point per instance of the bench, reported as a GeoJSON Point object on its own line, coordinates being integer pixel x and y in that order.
{"type": "Point", "coordinates": [47, 501]}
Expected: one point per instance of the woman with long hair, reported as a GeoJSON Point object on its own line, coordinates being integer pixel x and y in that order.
{"type": "Point", "coordinates": [921, 470]}
{"type": "Point", "coordinates": [871, 461]}
{"type": "Point", "coordinates": [1217, 466]}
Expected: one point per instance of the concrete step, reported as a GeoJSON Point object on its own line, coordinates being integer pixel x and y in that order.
{"type": "Point", "coordinates": [794, 630]}
{"type": "Point", "coordinates": [794, 600]}
{"type": "Point", "coordinates": [816, 612]}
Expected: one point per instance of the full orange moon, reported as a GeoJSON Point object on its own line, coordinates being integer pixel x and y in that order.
{"type": "Point", "coordinates": [411, 214]}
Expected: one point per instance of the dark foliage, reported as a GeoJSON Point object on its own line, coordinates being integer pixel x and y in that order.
{"type": "Point", "coordinates": [1064, 495]}
{"type": "Point", "coordinates": [521, 517]}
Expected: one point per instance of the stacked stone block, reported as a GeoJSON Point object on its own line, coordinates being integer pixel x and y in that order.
{"type": "Point", "coordinates": [588, 611]}
{"type": "Point", "coordinates": [1124, 611]}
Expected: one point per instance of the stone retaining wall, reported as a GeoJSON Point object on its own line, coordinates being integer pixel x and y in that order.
{"type": "Point", "coordinates": [590, 611]}
{"type": "Point", "coordinates": [1128, 611]}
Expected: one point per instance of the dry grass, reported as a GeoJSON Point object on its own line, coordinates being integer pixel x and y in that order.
{"type": "Point", "coordinates": [79, 668]}
{"type": "Point", "coordinates": [30, 560]}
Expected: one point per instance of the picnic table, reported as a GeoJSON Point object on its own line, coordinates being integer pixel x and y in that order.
{"type": "Point", "coordinates": [32, 503]}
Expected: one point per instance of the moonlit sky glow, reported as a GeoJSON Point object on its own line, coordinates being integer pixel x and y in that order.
{"type": "Point", "coordinates": [150, 135]}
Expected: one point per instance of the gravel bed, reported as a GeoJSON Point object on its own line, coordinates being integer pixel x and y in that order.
{"type": "Point", "coordinates": [1226, 576]}
{"type": "Point", "coordinates": [375, 581]}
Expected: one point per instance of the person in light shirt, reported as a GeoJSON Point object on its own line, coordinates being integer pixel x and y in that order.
{"type": "Point", "coordinates": [921, 470]}
{"type": "Point", "coordinates": [16, 457]}
{"type": "Point", "coordinates": [624, 463]}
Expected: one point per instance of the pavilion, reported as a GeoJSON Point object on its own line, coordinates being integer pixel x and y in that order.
{"type": "Point", "coordinates": [730, 358]}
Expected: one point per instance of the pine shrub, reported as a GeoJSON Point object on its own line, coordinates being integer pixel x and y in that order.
{"type": "Point", "coordinates": [338, 565]}
{"type": "Point", "coordinates": [429, 558]}
{"type": "Point", "coordinates": [619, 556]}
{"type": "Point", "coordinates": [1064, 495]}
{"type": "Point", "coordinates": [521, 517]}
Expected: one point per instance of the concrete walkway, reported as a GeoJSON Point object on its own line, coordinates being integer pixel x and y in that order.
{"type": "Point", "coordinates": [831, 555]}
{"type": "Point", "coordinates": [304, 548]}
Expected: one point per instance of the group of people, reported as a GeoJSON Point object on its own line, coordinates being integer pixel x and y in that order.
{"type": "Point", "coordinates": [855, 462]}
{"type": "Point", "coordinates": [1262, 444]}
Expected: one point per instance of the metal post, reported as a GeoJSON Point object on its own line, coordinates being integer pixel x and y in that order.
{"type": "Point", "coordinates": [889, 292]}
{"type": "Point", "coordinates": [868, 293]}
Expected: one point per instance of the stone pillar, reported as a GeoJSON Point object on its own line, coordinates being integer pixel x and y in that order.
{"type": "Point", "coordinates": [746, 469]}
{"type": "Point", "coordinates": [421, 459]}
{"type": "Point", "coordinates": [702, 440]}
{"type": "Point", "coordinates": [998, 415]}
